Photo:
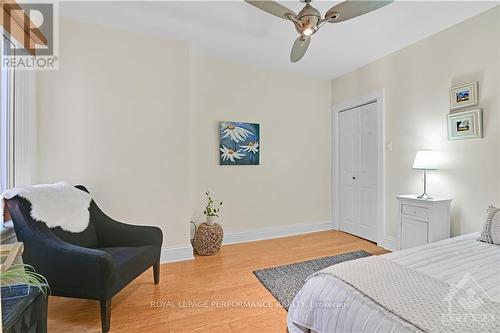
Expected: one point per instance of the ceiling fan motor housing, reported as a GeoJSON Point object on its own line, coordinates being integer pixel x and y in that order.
{"type": "Point", "coordinates": [309, 18]}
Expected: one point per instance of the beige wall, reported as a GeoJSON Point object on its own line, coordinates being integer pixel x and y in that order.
{"type": "Point", "coordinates": [142, 134]}
{"type": "Point", "coordinates": [293, 181]}
{"type": "Point", "coordinates": [118, 123]}
{"type": "Point", "coordinates": [416, 82]}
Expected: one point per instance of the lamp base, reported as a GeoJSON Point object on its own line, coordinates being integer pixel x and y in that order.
{"type": "Point", "coordinates": [424, 196]}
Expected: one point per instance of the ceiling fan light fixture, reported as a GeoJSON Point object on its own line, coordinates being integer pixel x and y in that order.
{"type": "Point", "coordinates": [307, 31]}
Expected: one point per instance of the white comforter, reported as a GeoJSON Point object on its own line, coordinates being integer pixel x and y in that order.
{"type": "Point", "coordinates": [327, 305]}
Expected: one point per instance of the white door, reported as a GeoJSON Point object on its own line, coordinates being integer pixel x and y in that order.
{"type": "Point", "coordinates": [358, 171]}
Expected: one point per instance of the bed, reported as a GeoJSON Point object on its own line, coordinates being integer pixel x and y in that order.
{"type": "Point", "coordinates": [327, 303]}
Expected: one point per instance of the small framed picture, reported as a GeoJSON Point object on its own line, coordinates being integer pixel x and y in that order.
{"type": "Point", "coordinates": [464, 96]}
{"type": "Point", "coordinates": [465, 125]}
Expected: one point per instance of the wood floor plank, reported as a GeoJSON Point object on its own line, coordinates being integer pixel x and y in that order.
{"type": "Point", "coordinates": [206, 294]}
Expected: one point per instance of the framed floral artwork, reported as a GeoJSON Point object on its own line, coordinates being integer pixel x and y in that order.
{"type": "Point", "coordinates": [239, 143]}
{"type": "Point", "coordinates": [465, 125]}
{"type": "Point", "coordinates": [464, 96]}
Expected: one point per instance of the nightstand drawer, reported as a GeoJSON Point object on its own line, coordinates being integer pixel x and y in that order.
{"type": "Point", "coordinates": [415, 211]}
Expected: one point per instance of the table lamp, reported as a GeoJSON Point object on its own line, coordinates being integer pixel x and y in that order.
{"type": "Point", "coordinates": [425, 160]}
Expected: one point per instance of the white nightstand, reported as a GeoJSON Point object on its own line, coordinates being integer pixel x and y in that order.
{"type": "Point", "coordinates": [423, 221]}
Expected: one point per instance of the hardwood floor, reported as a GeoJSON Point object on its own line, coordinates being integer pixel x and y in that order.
{"type": "Point", "coordinates": [197, 295]}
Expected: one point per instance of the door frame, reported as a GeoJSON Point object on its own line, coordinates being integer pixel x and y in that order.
{"type": "Point", "coordinates": [373, 97]}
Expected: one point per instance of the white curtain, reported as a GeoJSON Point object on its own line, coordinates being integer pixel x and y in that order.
{"type": "Point", "coordinates": [25, 143]}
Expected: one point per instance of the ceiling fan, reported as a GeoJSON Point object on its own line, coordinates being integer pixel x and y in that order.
{"type": "Point", "coordinates": [308, 21]}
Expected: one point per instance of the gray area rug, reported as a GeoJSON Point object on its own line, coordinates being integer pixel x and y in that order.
{"type": "Point", "coordinates": [284, 282]}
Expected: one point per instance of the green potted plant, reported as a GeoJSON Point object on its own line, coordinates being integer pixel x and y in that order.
{"type": "Point", "coordinates": [212, 209]}
{"type": "Point", "coordinates": [23, 274]}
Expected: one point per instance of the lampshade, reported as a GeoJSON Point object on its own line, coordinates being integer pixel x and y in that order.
{"type": "Point", "coordinates": [425, 160]}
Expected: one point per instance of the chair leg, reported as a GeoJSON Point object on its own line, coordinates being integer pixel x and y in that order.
{"type": "Point", "coordinates": [105, 315]}
{"type": "Point", "coordinates": [156, 272]}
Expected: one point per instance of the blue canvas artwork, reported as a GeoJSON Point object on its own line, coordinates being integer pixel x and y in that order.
{"type": "Point", "coordinates": [239, 143]}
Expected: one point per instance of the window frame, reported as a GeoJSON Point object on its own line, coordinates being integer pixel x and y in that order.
{"type": "Point", "coordinates": [20, 131]}
{"type": "Point", "coordinates": [7, 126]}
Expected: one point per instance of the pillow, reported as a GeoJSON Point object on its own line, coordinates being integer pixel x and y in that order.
{"type": "Point", "coordinates": [491, 229]}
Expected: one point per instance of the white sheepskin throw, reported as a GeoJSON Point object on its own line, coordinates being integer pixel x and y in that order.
{"type": "Point", "coordinates": [57, 205]}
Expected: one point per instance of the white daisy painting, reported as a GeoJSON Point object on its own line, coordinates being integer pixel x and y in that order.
{"type": "Point", "coordinates": [239, 143]}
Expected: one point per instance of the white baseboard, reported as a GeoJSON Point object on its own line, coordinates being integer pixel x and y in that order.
{"type": "Point", "coordinates": [389, 243]}
{"type": "Point", "coordinates": [176, 253]}
{"type": "Point", "coordinates": [249, 235]}
{"type": "Point", "coordinates": [185, 251]}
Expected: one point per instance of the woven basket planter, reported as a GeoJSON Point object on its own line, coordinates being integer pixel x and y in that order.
{"type": "Point", "coordinates": [208, 239]}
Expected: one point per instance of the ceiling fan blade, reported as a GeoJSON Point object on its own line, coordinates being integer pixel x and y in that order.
{"type": "Point", "coordinates": [273, 8]}
{"type": "Point", "coordinates": [351, 9]}
{"type": "Point", "coordinates": [299, 48]}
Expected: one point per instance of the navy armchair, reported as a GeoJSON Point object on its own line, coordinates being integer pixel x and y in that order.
{"type": "Point", "coordinates": [94, 264]}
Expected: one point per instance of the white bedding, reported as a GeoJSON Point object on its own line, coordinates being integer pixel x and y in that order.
{"type": "Point", "coordinates": [327, 305]}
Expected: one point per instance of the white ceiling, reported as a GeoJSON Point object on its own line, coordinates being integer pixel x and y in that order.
{"type": "Point", "coordinates": [238, 32]}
